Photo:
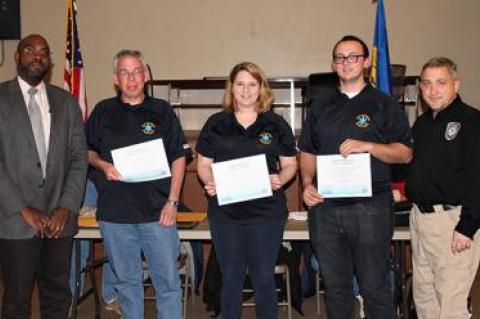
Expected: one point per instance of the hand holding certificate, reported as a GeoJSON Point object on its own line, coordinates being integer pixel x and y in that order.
{"type": "Point", "coordinates": [241, 179]}
{"type": "Point", "coordinates": [339, 177]}
{"type": "Point", "coordinates": [142, 162]}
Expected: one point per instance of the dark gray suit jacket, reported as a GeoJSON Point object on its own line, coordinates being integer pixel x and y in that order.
{"type": "Point", "coordinates": [21, 180]}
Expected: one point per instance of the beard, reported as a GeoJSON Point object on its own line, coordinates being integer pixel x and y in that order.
{"type": "Point", "coordinates": [33, 72]}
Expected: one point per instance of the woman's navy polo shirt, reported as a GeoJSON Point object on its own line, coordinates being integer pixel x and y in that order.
{"type": "Point", "coordinates": [223, 138]}
{"type": "Point", "coordinates": [370, 116]}
{"type": "Point", "coordinates": [114, 124]}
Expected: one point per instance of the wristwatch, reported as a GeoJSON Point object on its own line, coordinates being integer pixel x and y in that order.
{"type": "Point", "coordinates": [174, 203]}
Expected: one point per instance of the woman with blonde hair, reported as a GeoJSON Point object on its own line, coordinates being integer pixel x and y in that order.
{"type": "Point", "coordinates": [247, 235]}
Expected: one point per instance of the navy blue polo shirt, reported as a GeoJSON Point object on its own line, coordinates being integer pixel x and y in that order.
{"type": "Point", "coordinates": [369, 116]}
{"type": "Point", "coordinates": [223, 138]}
{"type": "Point", "coordinates": [114, 124]}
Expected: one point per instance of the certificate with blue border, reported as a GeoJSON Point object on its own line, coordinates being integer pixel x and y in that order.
{"type": "Point", "coordinates": [142, 162]}
{"type": "Point", "coordinates": [341, 177]}
{"type": "Point", "coordinates": [241, 179]}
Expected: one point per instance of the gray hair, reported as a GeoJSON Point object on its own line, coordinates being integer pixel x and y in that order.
{"type": "Point", "coordinates": [128, 53]}
{"type": "Point", "coordinates": [439, 62]}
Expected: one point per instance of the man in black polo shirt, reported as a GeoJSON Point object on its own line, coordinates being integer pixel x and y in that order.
{"type": "Point", "coordinates": [352, 235]}
{"type": "Point", "coordinates": [444, 185]}
{"type": "Point", "coordinates": [138, 218]}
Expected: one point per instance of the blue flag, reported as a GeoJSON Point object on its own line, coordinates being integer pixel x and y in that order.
{"type": "Point", "coordinates": [380, 71]}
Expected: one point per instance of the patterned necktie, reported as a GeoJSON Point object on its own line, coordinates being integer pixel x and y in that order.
{"type": "Point", "coordinates": [37, 128]}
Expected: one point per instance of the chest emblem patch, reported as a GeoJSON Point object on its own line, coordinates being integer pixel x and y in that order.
{"type": "Point", "coordinates": [265, 138]}
{"type": "Point", "coordinates": [362, 120]}
{"type": "Point", "coordinates": [148, 128]}
{"type": "Point", "coordinates": [452, 130]}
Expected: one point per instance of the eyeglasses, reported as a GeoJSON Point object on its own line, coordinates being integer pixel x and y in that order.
{"type": "Point", "coordinates": [127, 74]}
{"type": "Point", "coordinates": [42, 53]}
{"type": "Point", "coordinates": [353, 58]}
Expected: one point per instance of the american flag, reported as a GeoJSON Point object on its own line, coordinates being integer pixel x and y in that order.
{"type": "Point", "coordinates": [74, 76]}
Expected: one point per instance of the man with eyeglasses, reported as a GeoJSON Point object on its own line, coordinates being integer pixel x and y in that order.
{"type": "Point", "coordinates": [352, 235]}
{"type": "Point", "coordinates": [444, 185]}
{"type": "Point", "coordinates": [43, 166]}
{"type": "Point", "coordinates": [140, 217]}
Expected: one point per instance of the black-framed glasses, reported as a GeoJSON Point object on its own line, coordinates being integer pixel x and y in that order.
{"type": "Point", "coordinates": [42, 53]}
{"type": "Point", "coordinates": [352, 58]}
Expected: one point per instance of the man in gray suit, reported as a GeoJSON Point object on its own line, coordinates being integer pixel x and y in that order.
{"type": "Point", "coordinates": [43, 168]}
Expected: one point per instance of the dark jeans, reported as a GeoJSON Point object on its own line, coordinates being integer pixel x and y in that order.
{"type": "Point", "coordinates": [23, 261]}
{"type": "Point", "coordinates": [355, 239]}
{"type": "Point", "coordinates": [247, 247]}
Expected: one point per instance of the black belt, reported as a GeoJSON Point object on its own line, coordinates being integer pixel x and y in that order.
{"type": "Point", "coordinates": [427, 209]}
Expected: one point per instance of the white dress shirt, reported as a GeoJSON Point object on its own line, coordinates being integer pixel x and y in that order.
{"type": "Point", "coordinates": [42, 101]}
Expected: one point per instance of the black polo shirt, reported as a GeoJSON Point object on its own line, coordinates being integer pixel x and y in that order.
{"type": "Point", "coordinates": [223, 138]}
{"type": "Point", "coordinates": [114, 124]}
{"type": "Point", "coordinates": [369, 116]}
{"type": "Point", "coordinates": [446, 163]}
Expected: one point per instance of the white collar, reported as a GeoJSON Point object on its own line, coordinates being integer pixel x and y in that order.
{"type": "Point", "coordinates": [24, 86]}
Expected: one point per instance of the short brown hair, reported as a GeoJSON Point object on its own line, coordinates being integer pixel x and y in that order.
{"type": "Point", "coordinates": [439, 62]}
{"type": "Point", "coordinates": [265, 99]}
{"type": "Point", "coordinates": [352, 38]}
